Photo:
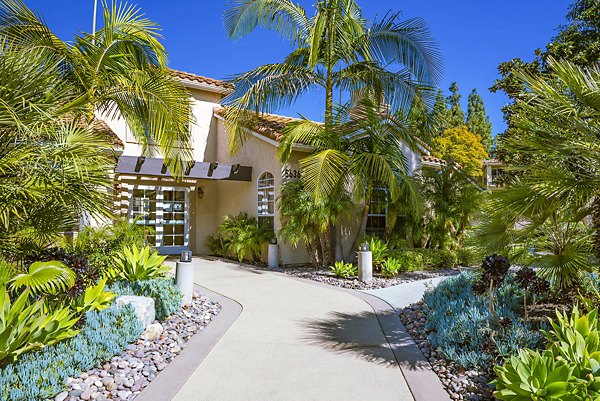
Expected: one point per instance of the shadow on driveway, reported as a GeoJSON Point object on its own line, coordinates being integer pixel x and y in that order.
{"type": "Point", "coordinates": [357, 334]}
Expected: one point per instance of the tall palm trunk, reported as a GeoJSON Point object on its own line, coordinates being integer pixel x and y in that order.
{"type": "Point", "coordinates": [363, 224]}
{"type": "Point", "coordinates": [596, 225]}
{"type": "Point", "coordinates": [339, 250]}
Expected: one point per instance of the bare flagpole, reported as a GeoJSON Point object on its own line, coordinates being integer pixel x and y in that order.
{"type": "Point", "coordinates": [94, 21]}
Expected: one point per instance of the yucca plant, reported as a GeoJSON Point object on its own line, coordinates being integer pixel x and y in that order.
{"type": "Point", "coordinates": [138, 264]}
{"type": "Point", "coordinates": [26, 326]}
{"type": "Point", "coordinates": [45, 277]}
{"type": "Point", "coordinates": [344, 270]}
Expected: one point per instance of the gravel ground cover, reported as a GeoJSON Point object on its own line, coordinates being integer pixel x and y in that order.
{"type": "Point", "coordinates": [461, 384]}
{"type": "Point", "coordinates": [126, 375]}
{"type": "Point", "coordinates": [327, 277]}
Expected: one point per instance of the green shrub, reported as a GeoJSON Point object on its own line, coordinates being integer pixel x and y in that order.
{"type": "Point", "coordinates": [43, 374]}
{"type": "Point", "coordinates": [390, 267]}
{"type": "Point", "coordinates": [101, 244]}
{"type": "Point", "coordinates": [469, 256]}
{"type": "Point", "coordinates": [166, 295]}
{"type": "Point", "coordinates": [438, 258]}
{"type": "Point", "coordinates": [240, 237]}
{"type": "Point", "coordinates": [410, 260]}
{"type": "Point", "coordinates": [344, 270]}
{"type": "Point", "coordinates": [26, 326]}
{"type": "Point", "coordinates": [569, 369]}
{"type": "Point", "coordinates": [138, 264]}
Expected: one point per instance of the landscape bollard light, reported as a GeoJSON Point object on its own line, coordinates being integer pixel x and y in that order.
{"type": "Point", "coordinates": [273, 254]}
{"type": "Point", "coordinates": [365, 263]}
{"type": "Point", "coordinates": [184, 277]}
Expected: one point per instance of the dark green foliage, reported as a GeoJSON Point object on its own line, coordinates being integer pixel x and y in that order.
{"type": "Point", "coordinates": [43, 374]}
{"type": "Point", "coordinates": [440, 115]}
{"type": "Point", "coordinates": [478, 122]}
{"type": "Point", "coordinates": [240, 237]}
{"type": "Point", "coordinates": [410, 260]}
{"type": "Point", "coordinates": [101, 244]}
{"type": "Point", "coordinates": [167, 298]}
{"type": "Point", "coordinates": [461, 324]}
{"type": "Point", "coordinates": [456, 116]}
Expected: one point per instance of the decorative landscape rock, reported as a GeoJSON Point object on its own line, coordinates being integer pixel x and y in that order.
{"type": "Point", "coordinates": [461, 384]}
{"type": "Point", "coordinates": [152, 332]}
{"type": "Point", "coordinates": [125, 376]}
{"type": "Point", "coordinates": [143, 306]}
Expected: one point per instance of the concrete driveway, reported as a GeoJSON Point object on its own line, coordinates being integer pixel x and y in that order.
{"type": "Point", "coordinates": [293, 341]}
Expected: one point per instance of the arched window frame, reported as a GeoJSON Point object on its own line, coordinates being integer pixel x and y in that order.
{"type": "Point", "coordinates": [265, 194]}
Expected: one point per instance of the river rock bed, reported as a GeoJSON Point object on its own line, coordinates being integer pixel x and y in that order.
{"type": "Point", "coordinates": [327, 277]}
{"type": "Point", "coordinates": [126, 375]}
{"type": "Point", "coordinates": [461, 384]}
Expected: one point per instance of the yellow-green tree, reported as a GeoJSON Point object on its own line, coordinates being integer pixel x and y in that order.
{"type": "Point", "coordinates": [462, 146]}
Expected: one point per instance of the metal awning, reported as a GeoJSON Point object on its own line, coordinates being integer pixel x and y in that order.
{"type": "Point", "coordinates": [155, 167]}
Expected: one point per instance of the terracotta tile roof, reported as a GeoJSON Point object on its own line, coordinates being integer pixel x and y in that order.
{"type": "Point", "coordinates": [492, 161]}
{"type": "Point", "coordinates": [103, 129]}
{"type": "Point", "coordinates": [222, 86]}
{"type": "Point", "coordinates": [433, 160]}
{"type": "Point", "coordinates": [268, 125]}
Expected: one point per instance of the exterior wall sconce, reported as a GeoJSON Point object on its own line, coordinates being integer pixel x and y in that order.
{"type": "Point", "coordinates": [200, 192]}
{"type": "Point", "coordinates": [235, 169]}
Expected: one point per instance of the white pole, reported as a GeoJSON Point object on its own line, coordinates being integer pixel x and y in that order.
{"type": "Point", "coordinates": [94, 21]}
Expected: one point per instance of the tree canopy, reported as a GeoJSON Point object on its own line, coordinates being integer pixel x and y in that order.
{"type": "Point", "coordinates": [463, 147]}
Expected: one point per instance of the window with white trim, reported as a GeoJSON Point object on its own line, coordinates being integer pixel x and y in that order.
{"type": "Point", "coordinates": [377, 218]}
{"type": "Point", "coordinates": [266, 200]}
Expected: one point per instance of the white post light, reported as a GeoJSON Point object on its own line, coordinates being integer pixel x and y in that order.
{"type": "Point", "coordinates": [184, 277]}
{"type": "Point", "coordinates": [365, 263]}
{"type": "Point", "coordinates": [273, 254]}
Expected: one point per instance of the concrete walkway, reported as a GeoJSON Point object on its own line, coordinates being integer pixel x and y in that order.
{"type": "Point", "coordinates": [293, 341]}
{"type": "Point", "coordinates": [400, 296]}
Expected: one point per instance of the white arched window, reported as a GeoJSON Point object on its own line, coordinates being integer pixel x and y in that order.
{"type": "Point", "coordinates": [266, 200]}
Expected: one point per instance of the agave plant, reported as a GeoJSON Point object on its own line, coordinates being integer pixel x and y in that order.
{"type": "Point", "coordinates": [138, 264]}
{"type": "Point", "coordinates": [94, 298]}
{"type": "Point", "coordinates": [45, 277]}
{"type": "Point", "coordinates": [390, 267]}
{"type": "Point", "coordinates": [25, 326]}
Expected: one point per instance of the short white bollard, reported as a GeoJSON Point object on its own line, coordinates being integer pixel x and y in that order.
{"type": "Point", "coordinates": [365, 263]}
{"type": "Point", "coordinates": [273, 255]}
{"type": "Point", "coordinates": [184, 277]}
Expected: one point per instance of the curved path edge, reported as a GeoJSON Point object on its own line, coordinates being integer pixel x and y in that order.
{"type": "Point", "coordinates": [423, 382]}
{"type": "Point", "coordinates": [168, 383]}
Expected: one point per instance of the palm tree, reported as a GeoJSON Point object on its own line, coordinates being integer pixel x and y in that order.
{"type": "Point", "coordinates": [118, 70]}
{"type": "Point", "coordinates": [336, 51]}
{"type": "Point", "coordinates": [361, 152]}
{"type": "Point", "coordinates": [558, 184]}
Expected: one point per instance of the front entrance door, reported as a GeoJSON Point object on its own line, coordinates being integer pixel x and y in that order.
{"type": "Point", "coordinates": [164, 210]}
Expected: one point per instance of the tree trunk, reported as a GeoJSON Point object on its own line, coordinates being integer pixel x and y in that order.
{"type": "Point", "coordinates": [339, 250]}
{"type": "Point", "coordinates": [596, 225]}
{"type": "Point", "coordinates": [363, 225]}
{"type": "Point", "coordinates": [328, 251]}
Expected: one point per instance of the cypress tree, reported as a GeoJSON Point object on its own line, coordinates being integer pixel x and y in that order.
{"type": "Point", "coordinates": [478, 122]}
{"type": "Point", "coordinates": [418, 118]}
{"type": "Point", "coordinates": [440, 115]}
{"type": "Point", "coordinates": [456, 115]}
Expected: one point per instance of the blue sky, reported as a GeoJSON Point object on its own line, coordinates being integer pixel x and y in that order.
{"type": "Point", "coordinates": [474, 36]}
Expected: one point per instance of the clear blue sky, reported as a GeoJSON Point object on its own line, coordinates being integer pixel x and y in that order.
{"type": "Point", "coordinates": [474, 36]}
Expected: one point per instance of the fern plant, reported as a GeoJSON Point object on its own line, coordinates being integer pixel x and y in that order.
{"type": "Point", "coordinates": [45, 277]}
{"type": "Point", "coordinates": [344, 270]}
{"type": "Point", "coordinates": [138, 264]}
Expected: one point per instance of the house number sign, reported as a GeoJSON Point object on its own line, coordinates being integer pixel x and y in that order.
{"type": "Point", "coordinates": [291, 173]}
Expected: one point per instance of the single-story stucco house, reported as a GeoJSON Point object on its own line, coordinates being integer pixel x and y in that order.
{"type": "Point", "coordinates": [184, 213]}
